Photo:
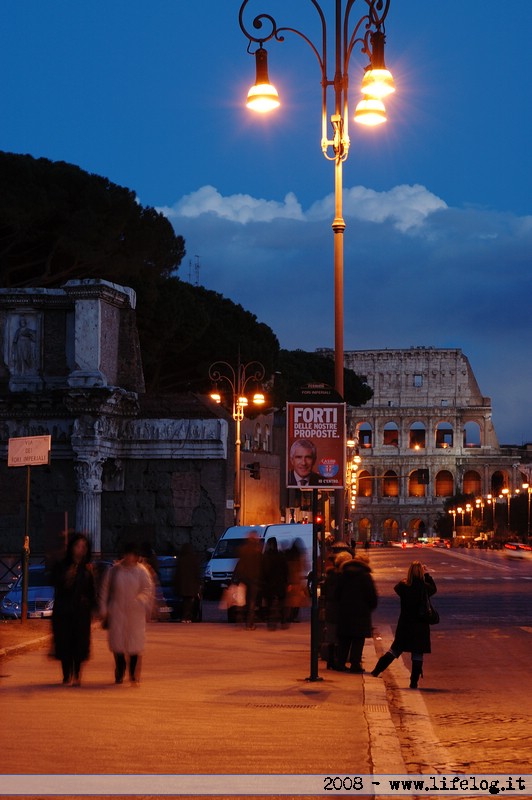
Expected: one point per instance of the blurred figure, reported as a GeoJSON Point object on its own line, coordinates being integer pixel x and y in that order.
{"type": "Point", "coordinates": [412, 634]}
{"type": "Point", "coordinates": [126, 603]}
{"type": "Point", "coordinates": [357, 598]}
{"type": "Point", "coordinates": [248, 571]}
{"type": "Point", "coordinates": [74, 603]}
{"type": "Point", "coordinates": [187, 580]}
{"type": "Point", "coordinates": [297, 593]}
{"type": "Point", "coordinates": [332, 576]}
{"type": "Point", "coordinates": [274, 583]}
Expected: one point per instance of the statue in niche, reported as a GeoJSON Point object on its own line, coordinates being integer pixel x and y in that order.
{"type": "Point", "coordinates": [24, 348]}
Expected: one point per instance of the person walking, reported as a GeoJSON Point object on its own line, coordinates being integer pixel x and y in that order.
{"type": "Point", "coordinates": [248, 571]}
{"type": "Point", "coordinates": [274, 582]}
{"type": "Point", "coordinates": [74, 604]}
{"type": "Point", "coordinates": [356, 597]}
{"type": "Point", "coordinates": [412, 634]}
{"type": "Point", "coordinates": [330, 599]}
{"type": "Point", "coordinates": [126, 603]}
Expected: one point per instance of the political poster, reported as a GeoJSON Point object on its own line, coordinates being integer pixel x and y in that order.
{"type": "Point", "coordinates": [315, 445]}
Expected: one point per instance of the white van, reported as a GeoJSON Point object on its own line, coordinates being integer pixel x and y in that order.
{"type": "Point", "coordinates": [220, 567]}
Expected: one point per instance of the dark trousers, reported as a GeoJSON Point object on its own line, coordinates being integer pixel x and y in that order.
{"type": "Point", "coordinates": [350, 648]}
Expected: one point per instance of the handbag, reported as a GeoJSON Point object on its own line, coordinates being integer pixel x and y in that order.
{"type": "Point", "coordinates": [427, 612]}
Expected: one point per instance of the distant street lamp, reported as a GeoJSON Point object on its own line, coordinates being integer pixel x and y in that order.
{"type": "Point", "coordinates": [369, 33]}
{"type": "Point", "coordinates": [506, 493]}
{"type": "Point", "coordinates": [453, 512]}
{"type": "Point", "coordinates": [238, 379]}
{"type": "Point", "coordinates": [528, 488]}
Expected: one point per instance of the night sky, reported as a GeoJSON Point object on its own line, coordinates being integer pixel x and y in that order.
{"type": "Point", "coordinates": [438, 245]}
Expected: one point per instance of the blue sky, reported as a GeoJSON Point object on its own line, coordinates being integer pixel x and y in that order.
{"type": "Point", "coordinates": [438, 245]}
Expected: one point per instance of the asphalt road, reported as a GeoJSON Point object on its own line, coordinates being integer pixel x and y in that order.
{"type": "Point", "coordinates": [217, 699]}
{"type": "Point", "coordinates": [476, 685]}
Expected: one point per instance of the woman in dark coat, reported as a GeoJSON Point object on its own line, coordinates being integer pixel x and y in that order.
{"type": "Point", "coordinates": [412, 634]}
{"type": "Point", "coordinates": [187, 580]}
{"type": "Point", "coordinates": [74, 603]}
{"type": "Point", "coordinates": [357, 598]}
{"type": "Point", "coordinates": [274, 582]}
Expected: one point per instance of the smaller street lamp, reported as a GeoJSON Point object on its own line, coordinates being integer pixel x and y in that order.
{"type": "Point", "coordinates": [453, 512]}
{"type": "Point", "coordinates": [238, 380]}
{"type": "Point", "coordinates": [506, 493]}
{"type": "Point", "coordinates": [528, 488]}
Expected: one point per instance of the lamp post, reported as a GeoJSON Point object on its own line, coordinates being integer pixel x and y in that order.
{"type": "Point", "coordinates": [453, 512]}
{"type": "Point", "coordinates": [369, 33]}
{"type": "Point", "coordinates": [528, 489]}
{"type": "Point", "coordinates": [237, 379]}
{"type": "Point", "coordinates": [492, 500]}
{"type": "Point", "coordinates": [506, 493]}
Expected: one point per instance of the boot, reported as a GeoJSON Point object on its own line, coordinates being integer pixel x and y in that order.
{"type": "Point", "coordinates": [120, 667]}
{"type": "Point", "coordinates": [416, 674]}
{"type": "Point", "coordinates": [383, 662]}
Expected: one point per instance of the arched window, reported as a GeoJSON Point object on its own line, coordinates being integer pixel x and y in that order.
{"type": "Point", "coordinates": [257, 438]}
{"type": "Point", "coordinates": [444, 485]}
{"type": "Point", "coordinates": [390, 530]}
{"type": "Point", "coordinates": [472, 434]}
{"type": "Point", "coordinates": [364, 530]}
{"type": "Point", "coordinates": [390, 435]}
{"type": "Point", "coordinates": [499, 481]}
{"type": "Point", "coordinates": [390, 484]}
{"type": "Point", "coordinates": [416, 484]}
{"type": "Point", "coordinates": [472, 483]}
{"type": "Point", "coordinates": [416, 439]}
{"type": "Point", "coordinates": [444, 435]}
{"type": "Point", "coordinates": [266, 442]}
{"type": "Point", "coordinates": [365, 435]}
{"type": "Point", "coordinates": [365, 484]}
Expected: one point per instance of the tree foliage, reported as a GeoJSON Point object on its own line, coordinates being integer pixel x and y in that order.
{"type": "Point", "coordinates": [58, 223]}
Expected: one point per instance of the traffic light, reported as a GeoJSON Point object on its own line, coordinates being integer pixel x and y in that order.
{"type": "Point", "coordinates": [254, 470]}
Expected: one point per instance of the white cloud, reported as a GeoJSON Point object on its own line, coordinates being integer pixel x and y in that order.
{"type": "Point", "coordinates": [236, 208]}
{"type": "Point", "coordinates": [417, 272]}
{"type": "Point", "coordinates": [406, 207]}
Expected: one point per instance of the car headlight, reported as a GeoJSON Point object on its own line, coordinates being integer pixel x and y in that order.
{"type": "Point", "coordinates": [207, 573]}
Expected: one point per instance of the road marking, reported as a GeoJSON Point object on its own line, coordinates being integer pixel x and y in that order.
{"type": "Point", "coordinates": [525, 629]}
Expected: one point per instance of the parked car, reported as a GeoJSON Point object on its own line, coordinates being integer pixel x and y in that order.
{"type": "Point", "coordinates": [166, 567]}
{"type": "Point", "coordinates": [40, 595]}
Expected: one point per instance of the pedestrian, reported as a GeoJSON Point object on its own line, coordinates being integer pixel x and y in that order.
{"type": "Point", "coordinates": [248, 571]}
{"type": "Point", "coordinates": [74, 604]}
{"type": "Point", "coordinates": [187, 581]}
{"type": "Point", "coordinates": [412, 634]}
{"type": "Point", "coordinates": [332, 575]}
{"type": "Point", "coordinates": [356, 596]}
{"type": "Point", "coordinates": [297, 591]}
{"type": "Point", "coordinates": [274, 583]}
{"type": "Point", "coordinates": [126, 603]}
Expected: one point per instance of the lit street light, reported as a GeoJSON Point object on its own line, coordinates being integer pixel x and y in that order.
{"type": "Point", "coordinates": [237, 379]}
{"type": "Point", "coordinates": [368, 33]}
{"type": "Point", "coordinates": [528, 488]}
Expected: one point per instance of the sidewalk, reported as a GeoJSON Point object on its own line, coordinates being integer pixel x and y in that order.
{"type": "Point", "coordinates": [214, 698]}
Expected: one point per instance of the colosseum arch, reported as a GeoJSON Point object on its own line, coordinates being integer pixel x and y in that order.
{"type": "Point", "coordinates": [472, 482]}
{"type": "Point", "coordinates": [417, 436]}
{"type": "Point", "coordinates": [364, 435]}
{"type": "Point", "coordinates": [444, 435]}
{"type": "Point", "coordinates": [472, 437]}
{"type": "Point", "coordinates": [390, 484]}
{"type": "Point", "coordinates": [390, 434]}
{"type": "Point", "coordinates": [390, 530]}
{"type": "Point", "coordinates": [365, 484]}
{"type": "Point", "coordinates": [364, 529]}
{"type": "Point", "coordinates": [415, 487]}
{"type": "Point", "coordinates": [444, 484]}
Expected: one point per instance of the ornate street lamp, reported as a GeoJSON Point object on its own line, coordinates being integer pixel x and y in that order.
{"type": "Point", "coordinates": [237, 379]}
{"type": "Point", "coordinates": [368, 33]}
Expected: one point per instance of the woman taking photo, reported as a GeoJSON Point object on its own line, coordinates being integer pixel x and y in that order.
{"type": "Point", "coordinates": [412, 634]}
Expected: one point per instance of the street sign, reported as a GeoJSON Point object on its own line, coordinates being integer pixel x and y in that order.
{"type": "Point", "coordinates": [28, 451]}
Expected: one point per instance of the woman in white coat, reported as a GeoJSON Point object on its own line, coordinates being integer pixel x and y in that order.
{"type": "Point", "coordinates": [126, 603]}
